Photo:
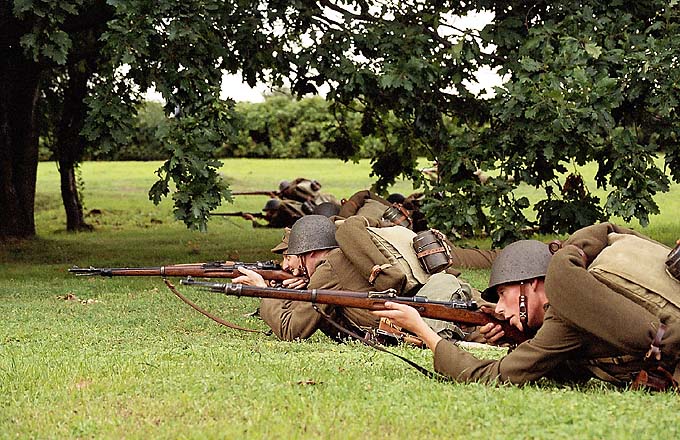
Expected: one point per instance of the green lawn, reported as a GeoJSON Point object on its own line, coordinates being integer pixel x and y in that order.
{"type": "Point", "coordinates": [127, 359]}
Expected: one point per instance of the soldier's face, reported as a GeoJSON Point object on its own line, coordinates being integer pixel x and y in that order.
{"type": "Point", "coordinates": [292, 264]}
{"type": "Point", "coordinates": [508, 304]}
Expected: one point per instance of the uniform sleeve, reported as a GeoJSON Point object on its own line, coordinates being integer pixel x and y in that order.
{"type": "Point", "coordinates": [554, 343]}
{"type": "Point", "coordinates": [589, 304]}
{"type": "Point", "coordinates": [464, 258]}
{"type": "Point", "coordinates": [290, 320]}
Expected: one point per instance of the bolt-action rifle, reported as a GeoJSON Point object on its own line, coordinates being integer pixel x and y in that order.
{"type": "Point", "coordinates": [272, 194]}
{"type": "Point", "coordinates": [463, 312]}
{"type": "Point", "coordinates": [269, 270]}
{"type": "Point", "coordinates": [237, 214]}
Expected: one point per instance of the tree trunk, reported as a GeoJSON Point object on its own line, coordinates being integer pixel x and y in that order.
{"type": "Point", "coordinates": [70, 145]}
{"type": "Point", "coordinates": [19, 86]}
{"type": "Point", "coordinates": [75, 220]}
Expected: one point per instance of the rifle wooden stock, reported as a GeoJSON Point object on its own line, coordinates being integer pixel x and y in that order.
{"type": "Point", "coordinates": [464, 312]}
{"type": "Point", "coordinates": [269, 270]}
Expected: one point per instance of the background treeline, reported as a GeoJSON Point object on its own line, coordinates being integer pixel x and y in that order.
{"type": "Point", "coordinates": [281, 127]}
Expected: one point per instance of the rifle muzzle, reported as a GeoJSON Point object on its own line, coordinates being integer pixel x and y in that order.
{"type": "Point", "coordinates": [90, 271]}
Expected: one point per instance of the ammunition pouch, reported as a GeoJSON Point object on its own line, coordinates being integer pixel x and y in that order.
{"type": "Point", "coordinates": [389, 333]}
{"type": "Point", "coordinates": [655, 378]}
{"type": "Point", "coordinates": [432, 251]}
{"type": "Point", "coordinates": [398, 216]}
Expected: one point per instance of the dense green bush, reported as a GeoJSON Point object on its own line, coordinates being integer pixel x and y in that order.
{"type": "Point", "coordinates": [281, 127]}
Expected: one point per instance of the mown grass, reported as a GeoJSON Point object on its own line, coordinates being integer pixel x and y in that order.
{"type": "Point", "coordinates": [127, 359]}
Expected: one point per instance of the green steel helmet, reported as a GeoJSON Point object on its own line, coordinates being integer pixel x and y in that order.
{"type": "Point", "coordinates": [272, 205]}
{"type": "Point", "coordinates": [311, 233]}
{"type": "Point", "coordinates": [519, 261]}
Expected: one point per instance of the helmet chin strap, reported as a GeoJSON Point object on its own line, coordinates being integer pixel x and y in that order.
{"type": "Point", "coordinates": [523, 311]}
{"type": "Point", "coordinates": [303, 265]}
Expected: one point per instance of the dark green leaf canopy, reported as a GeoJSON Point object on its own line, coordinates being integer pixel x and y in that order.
{"type": "Point", "coordinates": [584, 81]}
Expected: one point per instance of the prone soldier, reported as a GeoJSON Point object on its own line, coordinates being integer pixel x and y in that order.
{"type": "Point", "coordinates": [581, 326]}
{"type": "Point", "coordinates": [312, 241]}
{"type": "Point", "coordinates": [278, 214]}
{"type": "Point", "coordinates": [370, 205]}
{"type": "Point", "coordinates": [311, 250]}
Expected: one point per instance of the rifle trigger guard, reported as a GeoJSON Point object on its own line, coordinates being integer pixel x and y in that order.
{"type": "Point", "coordinates": [387, 293]}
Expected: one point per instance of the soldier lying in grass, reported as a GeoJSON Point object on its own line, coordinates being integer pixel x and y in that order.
{"type": "Point", "coordinates": [581, 327]}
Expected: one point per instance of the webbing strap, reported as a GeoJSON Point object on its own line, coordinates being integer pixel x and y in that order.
{"type": "Point", "coordinates": [377, 346]}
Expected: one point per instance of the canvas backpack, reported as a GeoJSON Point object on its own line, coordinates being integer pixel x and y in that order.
{"type": "Point", "coordinates": [635, 268]}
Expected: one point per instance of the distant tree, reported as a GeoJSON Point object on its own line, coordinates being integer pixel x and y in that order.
{"type": "Point", "coordinates": [586, 81]}
{"type": "Point", "coordinates": [144, 143]}
{"type": "Point", "coordinates": [94, 59]}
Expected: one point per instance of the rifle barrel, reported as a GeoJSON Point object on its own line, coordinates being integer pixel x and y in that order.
{"type": "Point", "coordinates": [236, 214]}
{"type": "Point", "coordinates": [268, 269]}
{"type": "Point", "coordinates": [453, 311]}
{"type": "Point", "coordinates": [255, 193]}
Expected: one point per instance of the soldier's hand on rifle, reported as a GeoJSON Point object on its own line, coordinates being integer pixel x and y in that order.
{"type": "Point", "coordinates": [249, 278]}
{"type": "Point", "coordinates": [408, 318]}
{"type": "Point", "coordinates": [295, 283]}
{"type": "Point", "coordinates": [248, 216]}
{"type": "Point", "coordinates": [492, 333]}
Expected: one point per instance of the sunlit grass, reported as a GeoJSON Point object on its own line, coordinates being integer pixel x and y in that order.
{"type": "Point", "coordinates": [124, 358]}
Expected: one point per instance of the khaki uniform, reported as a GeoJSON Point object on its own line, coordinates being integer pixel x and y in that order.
{"type": "Point", "coordinates": [467, 258]}
{"type": "Point", "coordinates": [286, 214]}
{"type": "Point", "coordinates": [588, 331]}
{"type": "Point", "coordinates": [369, 205]}
{"type": "Point", "coordinates": [360, 200]}
{"type": "Point", "coordinates": [298, 320]}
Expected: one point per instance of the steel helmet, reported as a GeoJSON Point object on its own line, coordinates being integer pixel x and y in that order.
{"type": "Point", "coordinates": [311, 233]}
{"type": "Point", "coordinates": [283, 185]}
{"type": "Point", "coordinates": [327, 209]}
{"type": "Point", "coordinates": [396, 198]}
{"type": "Point", "coordinates": [519, 261]}
{"type": "Point", "coordinates": [272, 205]}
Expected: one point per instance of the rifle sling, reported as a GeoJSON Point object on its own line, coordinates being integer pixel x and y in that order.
{"type": "Point", "coordinates": [369, 342]}
{"type": "Point", "coordinates": [377, 346]}
{"type": "Point", "coordinates": [217, 319]}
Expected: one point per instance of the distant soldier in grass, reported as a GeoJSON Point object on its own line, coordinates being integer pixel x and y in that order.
{"type": "Point", "coordinates": [306, 191]}
{"type": "Point", "coordinates": [581, 327]}
{"type": "Point", "coordinates": [278, 214]}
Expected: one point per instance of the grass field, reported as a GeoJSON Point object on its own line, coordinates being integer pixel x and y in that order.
{"type": "Point", "coordinates": [124, 358]}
